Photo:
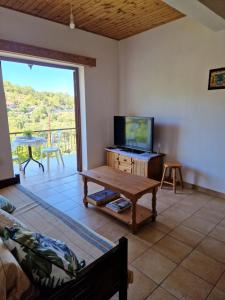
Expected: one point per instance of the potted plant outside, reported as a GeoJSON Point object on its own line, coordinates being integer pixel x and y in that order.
{"type": "Point", "coordinates": [28, 133]}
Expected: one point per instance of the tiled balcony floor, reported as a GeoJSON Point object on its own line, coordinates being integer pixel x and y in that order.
{"type": "Point", "coordinates": [34, 175]}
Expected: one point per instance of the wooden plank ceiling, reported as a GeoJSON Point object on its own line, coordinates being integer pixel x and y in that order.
{"type": "Point", "coordinates": [116, 19]}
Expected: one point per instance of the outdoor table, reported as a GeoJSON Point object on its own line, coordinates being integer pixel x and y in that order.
{"type": "Point", "coordinates": [29, 142]}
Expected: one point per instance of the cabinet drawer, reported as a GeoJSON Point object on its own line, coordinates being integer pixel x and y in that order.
{"type": "Point", "coordinates": [125, 160]}
{"type": "Point", "coordinates": [125, 168]}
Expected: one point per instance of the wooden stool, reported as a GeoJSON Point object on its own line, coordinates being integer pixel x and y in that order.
{"type": "Point", "coordinates": [172, 166]}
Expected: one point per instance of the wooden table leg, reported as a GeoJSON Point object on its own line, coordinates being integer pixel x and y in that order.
{"type": "Point", "coordinates": [181, 179]}
{"type": "Point", "coordinates": [133, 218]}
{"type": "Point", "coordinates": [85, 191]}
{"type": "Point", "coordinates": [174, 179]}
{"type": "Point", "coordinates": [154, 211]}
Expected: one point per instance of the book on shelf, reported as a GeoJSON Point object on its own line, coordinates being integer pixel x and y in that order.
{"type": "Point", "coordinates": [119, 205]}
{"type": "Point", "coordinates": [102, 197]}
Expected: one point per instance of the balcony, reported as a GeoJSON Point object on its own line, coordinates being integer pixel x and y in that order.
{"type": "Point", "coordinates": [34, 174]}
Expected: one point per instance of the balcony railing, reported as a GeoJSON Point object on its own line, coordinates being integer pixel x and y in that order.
{"type": "Point", "coordinates": [66, 141]}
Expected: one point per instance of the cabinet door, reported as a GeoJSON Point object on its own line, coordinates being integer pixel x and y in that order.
{"type": "Point", "coordinates": [112, 159]}
{"type": "Point", "coordinates": [140, 167]}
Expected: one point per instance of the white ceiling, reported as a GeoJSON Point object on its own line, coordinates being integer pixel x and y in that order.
{"type": "Point", "coordinates": [199, 12]}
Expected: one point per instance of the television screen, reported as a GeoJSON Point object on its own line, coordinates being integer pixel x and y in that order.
{"type": "Point", "coordinates": [134, 132]}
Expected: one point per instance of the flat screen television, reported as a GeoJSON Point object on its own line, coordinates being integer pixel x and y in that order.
{"type": "Point", "coordinates": [135, 133]}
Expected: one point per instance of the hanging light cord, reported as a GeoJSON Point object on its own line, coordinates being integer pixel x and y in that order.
{"type": "Point", "coordinates": [72, 24]}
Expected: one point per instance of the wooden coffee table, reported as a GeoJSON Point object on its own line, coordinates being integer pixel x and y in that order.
{"type": "Point", "coordinates": [131, 186]}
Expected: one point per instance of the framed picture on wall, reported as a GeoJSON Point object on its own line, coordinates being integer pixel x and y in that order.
{"type": "Point", "coordinates": [216, 79]}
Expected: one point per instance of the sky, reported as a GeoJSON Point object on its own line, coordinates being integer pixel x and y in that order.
{"type": "Point", "coordinates": [40, 78]}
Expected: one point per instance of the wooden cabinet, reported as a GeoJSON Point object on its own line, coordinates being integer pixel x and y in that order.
{"type": "Point", "coordinates": [143, 164]}
{"type": "Point", "coordinates": [112, 159]}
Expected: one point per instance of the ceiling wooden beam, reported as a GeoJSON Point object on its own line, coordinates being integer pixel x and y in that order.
{"type": "Point", "coordinates": [34, 51]}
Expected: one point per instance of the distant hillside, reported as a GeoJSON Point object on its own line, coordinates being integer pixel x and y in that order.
{"type": "Point", "coordinates": [31, 109]}
{"type": "Point", "coordinates": [26, 97]}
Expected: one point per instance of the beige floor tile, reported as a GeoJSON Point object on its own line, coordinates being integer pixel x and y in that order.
{"type": "Point", "coordinates": [199, 224]}
{"type": "Point", "coordinates": [141, 287]}
{"type": "Point", "coordinates": [191, 203]}
{"type": "Point", "coordinates": [164, 224]}
{"type": "Point", "coordinates": [161, 294]}
{"type": "Point", "coordinates": [185, 285]}
{"type": "Point", "coordinates": [210, 215]}
{"type": "Point", "coordinates": [221, 283]}
{"type": "Point", "coordinates": [168, 199]}
{"type": "Point", "coordinates": [154, 265]}
{"type": "Point", "coordinates": [176, 215]}
{"type": "Point", "coordinates": [222, 223]}
{"type": "Point", "coordinates": [187, 207]}
{"type": "Point", "coordinates": [213, 248]}
{"type": "Point", "coordinates": [204, 266]}
{"type": "Point", "coordinates": [187, 235]}
{"type": "Point", "coordinates": [161, 207]}
{"type": "Point", "coordinates": [168, 190]}
{"type": "Point", "coordinates": [80, 212]}
{"type": "Point", "coordinates": [150, 235]}
{"type": "Point", "coordinates": [216, 294]}
{"type": "Point", "coordinates": [217, 204]}
{"type": "Point", "coordinates": [187, 191]}
{"type": "Point", "coordinates": [218, 233]}
{"type": "Point", "coordinates": [200, 198]}
{"type": "Point", "coordinates": [136, 247]}
{"type": "Point", "coordinates": [172, 248]}
{"type": "Point", "coordinates": [113, 230]}
{"type": "Point", "coordinates": [95, 220]}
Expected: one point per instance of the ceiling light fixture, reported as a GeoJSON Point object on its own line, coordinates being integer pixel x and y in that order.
{"type": "Point", "coordinates": [72, 24]}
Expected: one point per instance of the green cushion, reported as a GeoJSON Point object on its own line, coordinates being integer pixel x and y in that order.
{"type": "Point", "coordinates": [48, 262]}
{"type": "Point", "coordinates": [6, 205]}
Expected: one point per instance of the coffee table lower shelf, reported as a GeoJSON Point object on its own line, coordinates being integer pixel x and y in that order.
{"type": "Point", "coordinates": [143, 214]}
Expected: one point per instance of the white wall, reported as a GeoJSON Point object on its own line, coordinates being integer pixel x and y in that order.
{"type": "Point", "coordinates": [6, 168]}
{"type": "Point", "coordinates": [164, 73]}
{"type": "Point", "coordinates": [101, 92]}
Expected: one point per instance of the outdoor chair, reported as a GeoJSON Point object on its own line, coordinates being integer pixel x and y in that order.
{"type": "Point", "coordinates": [16, 157]}
{"type": "Point", "coordinates": [53, 149]}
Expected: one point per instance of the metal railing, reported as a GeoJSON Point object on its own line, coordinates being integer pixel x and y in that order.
{"type": "Point", "coordinates": [66, 141]}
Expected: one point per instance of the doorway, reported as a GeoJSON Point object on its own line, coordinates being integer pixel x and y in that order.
{"type": "Point", "coordinates": [43, 102]}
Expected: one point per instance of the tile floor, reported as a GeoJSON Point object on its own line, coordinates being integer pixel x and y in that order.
{"type": "Point", "coordinates": [35, 175]}
{"type": "Point", "coordinates": [180, 256]}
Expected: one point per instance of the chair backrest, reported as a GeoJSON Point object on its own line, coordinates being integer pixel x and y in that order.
{"type": "Point", "coordinates": [56, 138]}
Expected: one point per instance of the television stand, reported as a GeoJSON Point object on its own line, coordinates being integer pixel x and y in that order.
{"type": "Point", "coordinates": [132, 150]}
{"type": "Point", "coordinates": [143, 163]}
